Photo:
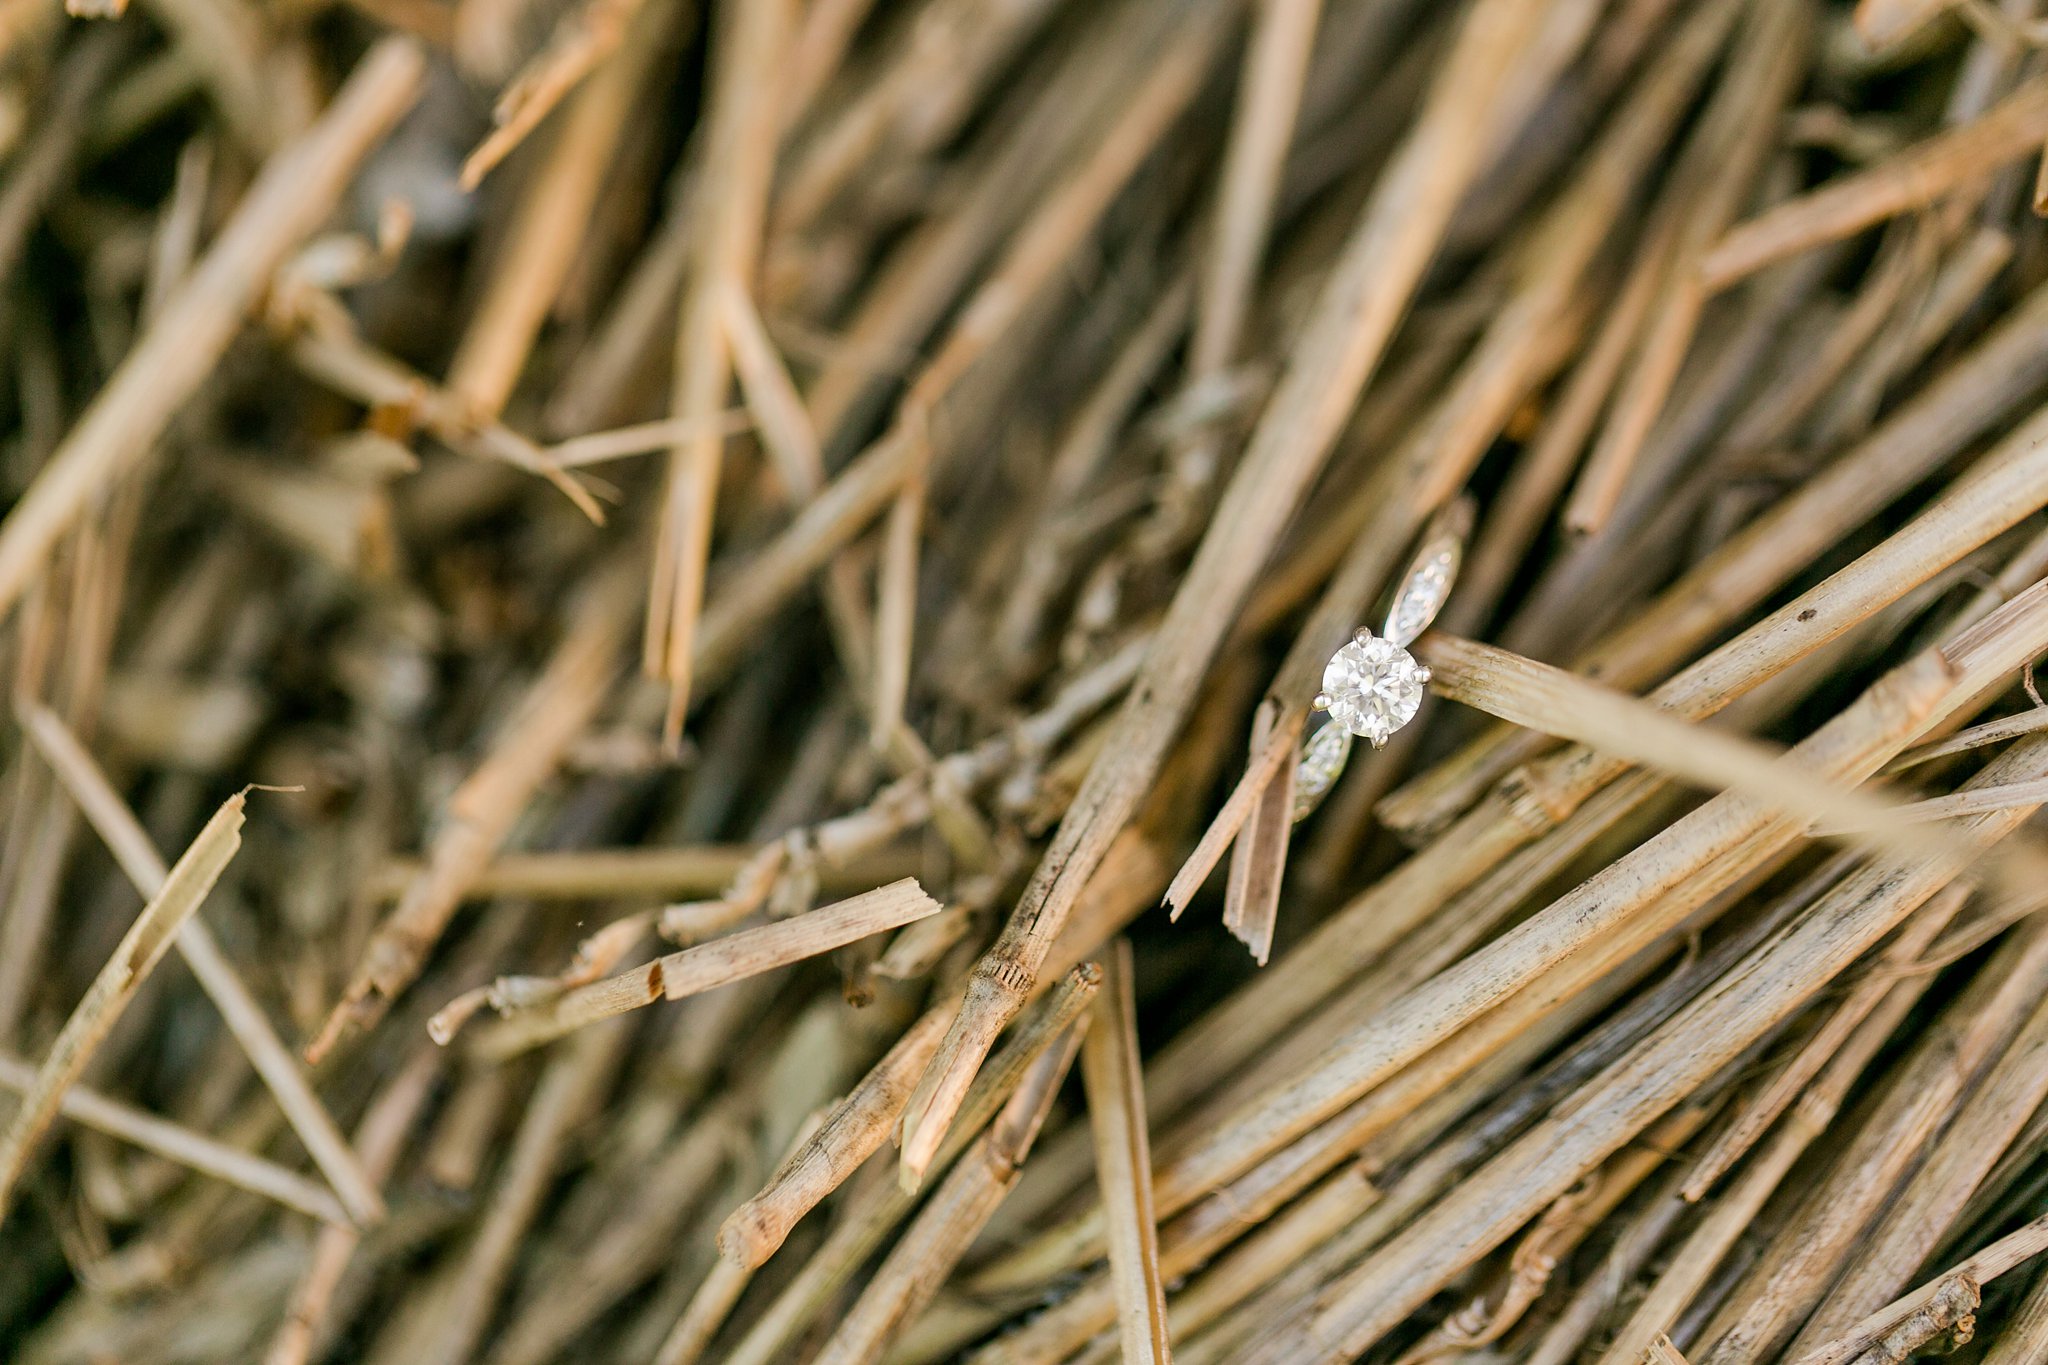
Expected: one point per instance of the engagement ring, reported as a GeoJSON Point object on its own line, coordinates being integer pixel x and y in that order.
{"type": "Point", "coordinates": [1372, 685]}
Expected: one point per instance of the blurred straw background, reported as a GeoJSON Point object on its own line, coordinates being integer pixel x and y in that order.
{"type": "Point", "coordinates": [656, 651]}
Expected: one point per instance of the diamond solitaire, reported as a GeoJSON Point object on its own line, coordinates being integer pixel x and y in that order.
{"type": "Point", "coordinates": [1372, 687]}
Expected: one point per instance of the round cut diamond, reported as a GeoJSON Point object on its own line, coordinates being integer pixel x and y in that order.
{"type": "Point", "coordinates": [1373, 687]}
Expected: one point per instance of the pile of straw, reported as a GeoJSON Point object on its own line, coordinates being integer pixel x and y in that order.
{"type": "Point", "coordinates": [690, 624]}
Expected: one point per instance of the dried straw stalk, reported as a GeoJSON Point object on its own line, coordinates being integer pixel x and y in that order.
{"type": "Point", "coordinates": [141, 948]}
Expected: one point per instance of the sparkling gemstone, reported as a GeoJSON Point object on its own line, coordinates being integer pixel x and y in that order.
{"type": "Point", "coordinates": [1422, 596]}
{"type": "Point", "coordinates": [1322, 763]}
{"type": "Point", "coordinates": [1373, 686]}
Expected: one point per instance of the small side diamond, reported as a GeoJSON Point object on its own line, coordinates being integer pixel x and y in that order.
{"type": "Point", "coordinates": [1421, 597]}
{"type": "Point", "coordinates": [1322, 763]}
